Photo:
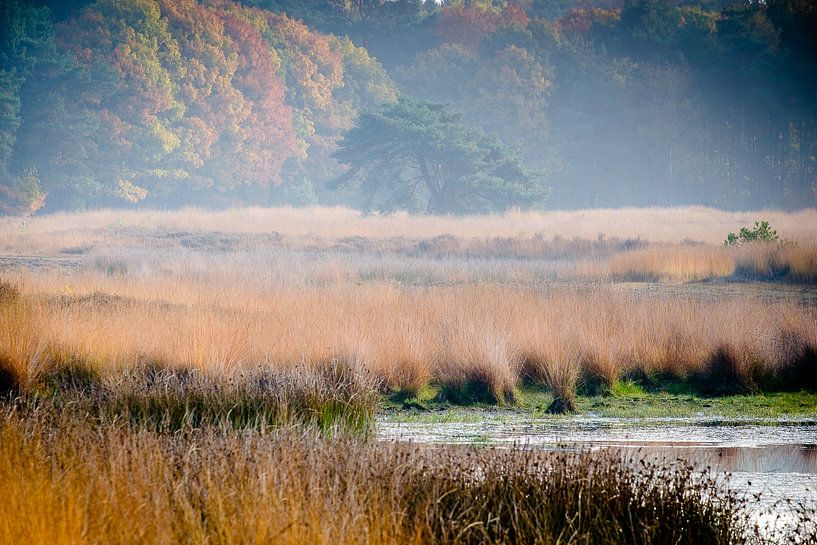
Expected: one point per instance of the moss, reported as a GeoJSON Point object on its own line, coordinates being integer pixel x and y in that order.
{"type": "Point", "coordinates": [627, 388]}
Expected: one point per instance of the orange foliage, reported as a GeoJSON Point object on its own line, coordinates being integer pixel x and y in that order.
{"type": "Point", "coordinates": [198, 97]}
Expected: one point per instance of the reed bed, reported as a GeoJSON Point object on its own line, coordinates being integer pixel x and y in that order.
{"type": "Point", "coordinates": [476, 341]}
{"type": "Point", "coordinates": [64, 481]}
{"type": "Point", "coordinates": [472, 309]}
{"type": "Point", "coordinates": [193, 376]}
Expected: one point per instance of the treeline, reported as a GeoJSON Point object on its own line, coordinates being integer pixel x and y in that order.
{"type": "Point", "coordinates": [635, 103]}
{"type": "Point", "coordinates": [169, 102]}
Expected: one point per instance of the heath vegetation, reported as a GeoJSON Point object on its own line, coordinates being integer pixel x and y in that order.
{"type": "Point", "coordinates": [172, 374]}
{"type": "Point", "coordinates": [165, 381]}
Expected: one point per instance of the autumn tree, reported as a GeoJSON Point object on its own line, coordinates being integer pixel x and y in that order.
{"type": "Point", "coordinates": [198, 105]}
{"type": "Point", "coordinates": [417, 153]}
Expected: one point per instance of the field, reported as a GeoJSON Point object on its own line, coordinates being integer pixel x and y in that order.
{"type": "Point", "coordinates": [179, 346]}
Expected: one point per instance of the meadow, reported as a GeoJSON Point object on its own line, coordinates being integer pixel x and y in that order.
{"type": "Point", "coordinates": [476, 315]}
{"type": "Point", "coordinates": [193, 348]}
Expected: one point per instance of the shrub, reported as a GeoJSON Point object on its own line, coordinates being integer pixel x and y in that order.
{"type": "Point", "coordinates": [762, 232]}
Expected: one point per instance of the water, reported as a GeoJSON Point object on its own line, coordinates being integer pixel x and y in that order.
{"type": "Point", "coordinates": [770, 462]}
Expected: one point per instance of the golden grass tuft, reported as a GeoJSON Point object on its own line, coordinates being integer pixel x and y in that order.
{"type": "Point", "coordinates": [671, 263]}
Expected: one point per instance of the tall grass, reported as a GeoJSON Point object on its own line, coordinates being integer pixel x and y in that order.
{"type": "Point", "coordinates": [473, 312]}
{"type": "Point", "coordinates": [768, 261]}
{"type": "Point", "coordinates": [67, 482]}
{"type": "Point", "coordinates": [475, 341]}
{"type": "Point", "coordinates": [672, 263]}
{"type": "Point", "coordinates": [791, 262]}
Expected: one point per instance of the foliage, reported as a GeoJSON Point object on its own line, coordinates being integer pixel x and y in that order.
{"type": "Point", "coordinates": [505, 93]}
{"type": "Point", "coordinates": [416, 152]}
{"type": "Point", "coordinates": [24, 197]}
{"type": "Point", "coordinates": [622, 103]}
{"type": "Point", "coordinates": [761, 232]}
{"type": "Point", "coordinates": [175, 101]}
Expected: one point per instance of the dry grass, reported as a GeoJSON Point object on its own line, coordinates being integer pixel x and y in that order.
{"type": "Point", "coordinates": [477, 339]}
{"type": "Point", "coordinates": [466, 310]}
{"type": "Point", "coordinates": [149, 361]}
{"type": "Point", "coordinates": [670, 263]}
{"type": "Point", "coordinates": [792, 262]}
{"type": "Point", "coordinates": [63, 482]}
{"type": "Point", "coordinates": [796, 262]}
{"type": "Point", "coordinates": [52, 233]}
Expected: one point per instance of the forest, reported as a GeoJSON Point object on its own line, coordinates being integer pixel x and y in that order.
{"type": "Point", "coordinates": [592, 103]}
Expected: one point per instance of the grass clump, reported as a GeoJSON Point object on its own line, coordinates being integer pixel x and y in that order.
{"type": "Point", "coordinates": [730, 371]}
{"type": "Point", "coordinates": [328, 397]}
{"type": "Point", "coordinates": [475, 389]}
{"type": "Point", "coordinates": [477, 364]}
{"type": "Point", "coordinates": [331, 397]}
{"type": "Point", "coordinates": [9, 293]}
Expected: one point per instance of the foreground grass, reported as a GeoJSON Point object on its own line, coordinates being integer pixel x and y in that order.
{"type": "Point", "coordinates": [63, 480]}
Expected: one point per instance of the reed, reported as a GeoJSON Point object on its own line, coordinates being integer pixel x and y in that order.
{"type": "Point", "coordinates": [62, 481]}
{"type": "Point", "coordinates": [476, 342]}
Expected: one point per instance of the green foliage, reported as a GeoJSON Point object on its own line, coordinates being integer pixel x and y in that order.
{"type": "Point", "coordinates": [417, 153]}
{"type": "Point", "coordinates": [761, 232]}
{"type": "Point", "coordinates": [504, 92]}
{"type": "Point", "coordinates": [626, 388]}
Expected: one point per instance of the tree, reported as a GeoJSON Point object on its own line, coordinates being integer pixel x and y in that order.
{"type": "Point", "coordinates": [195, 107]}
{"type": "Point", "coordinates": [415, 152]}
{"type": "Point", "coordinates": [24, 196]}
{"type": "Point", "coordinates": [328, 82]}
{"type": "Point", "coordinates": [504, 93]}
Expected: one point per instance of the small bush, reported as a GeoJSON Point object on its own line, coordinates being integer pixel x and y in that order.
{"type": "Point", "coordinates": [761, 232]}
